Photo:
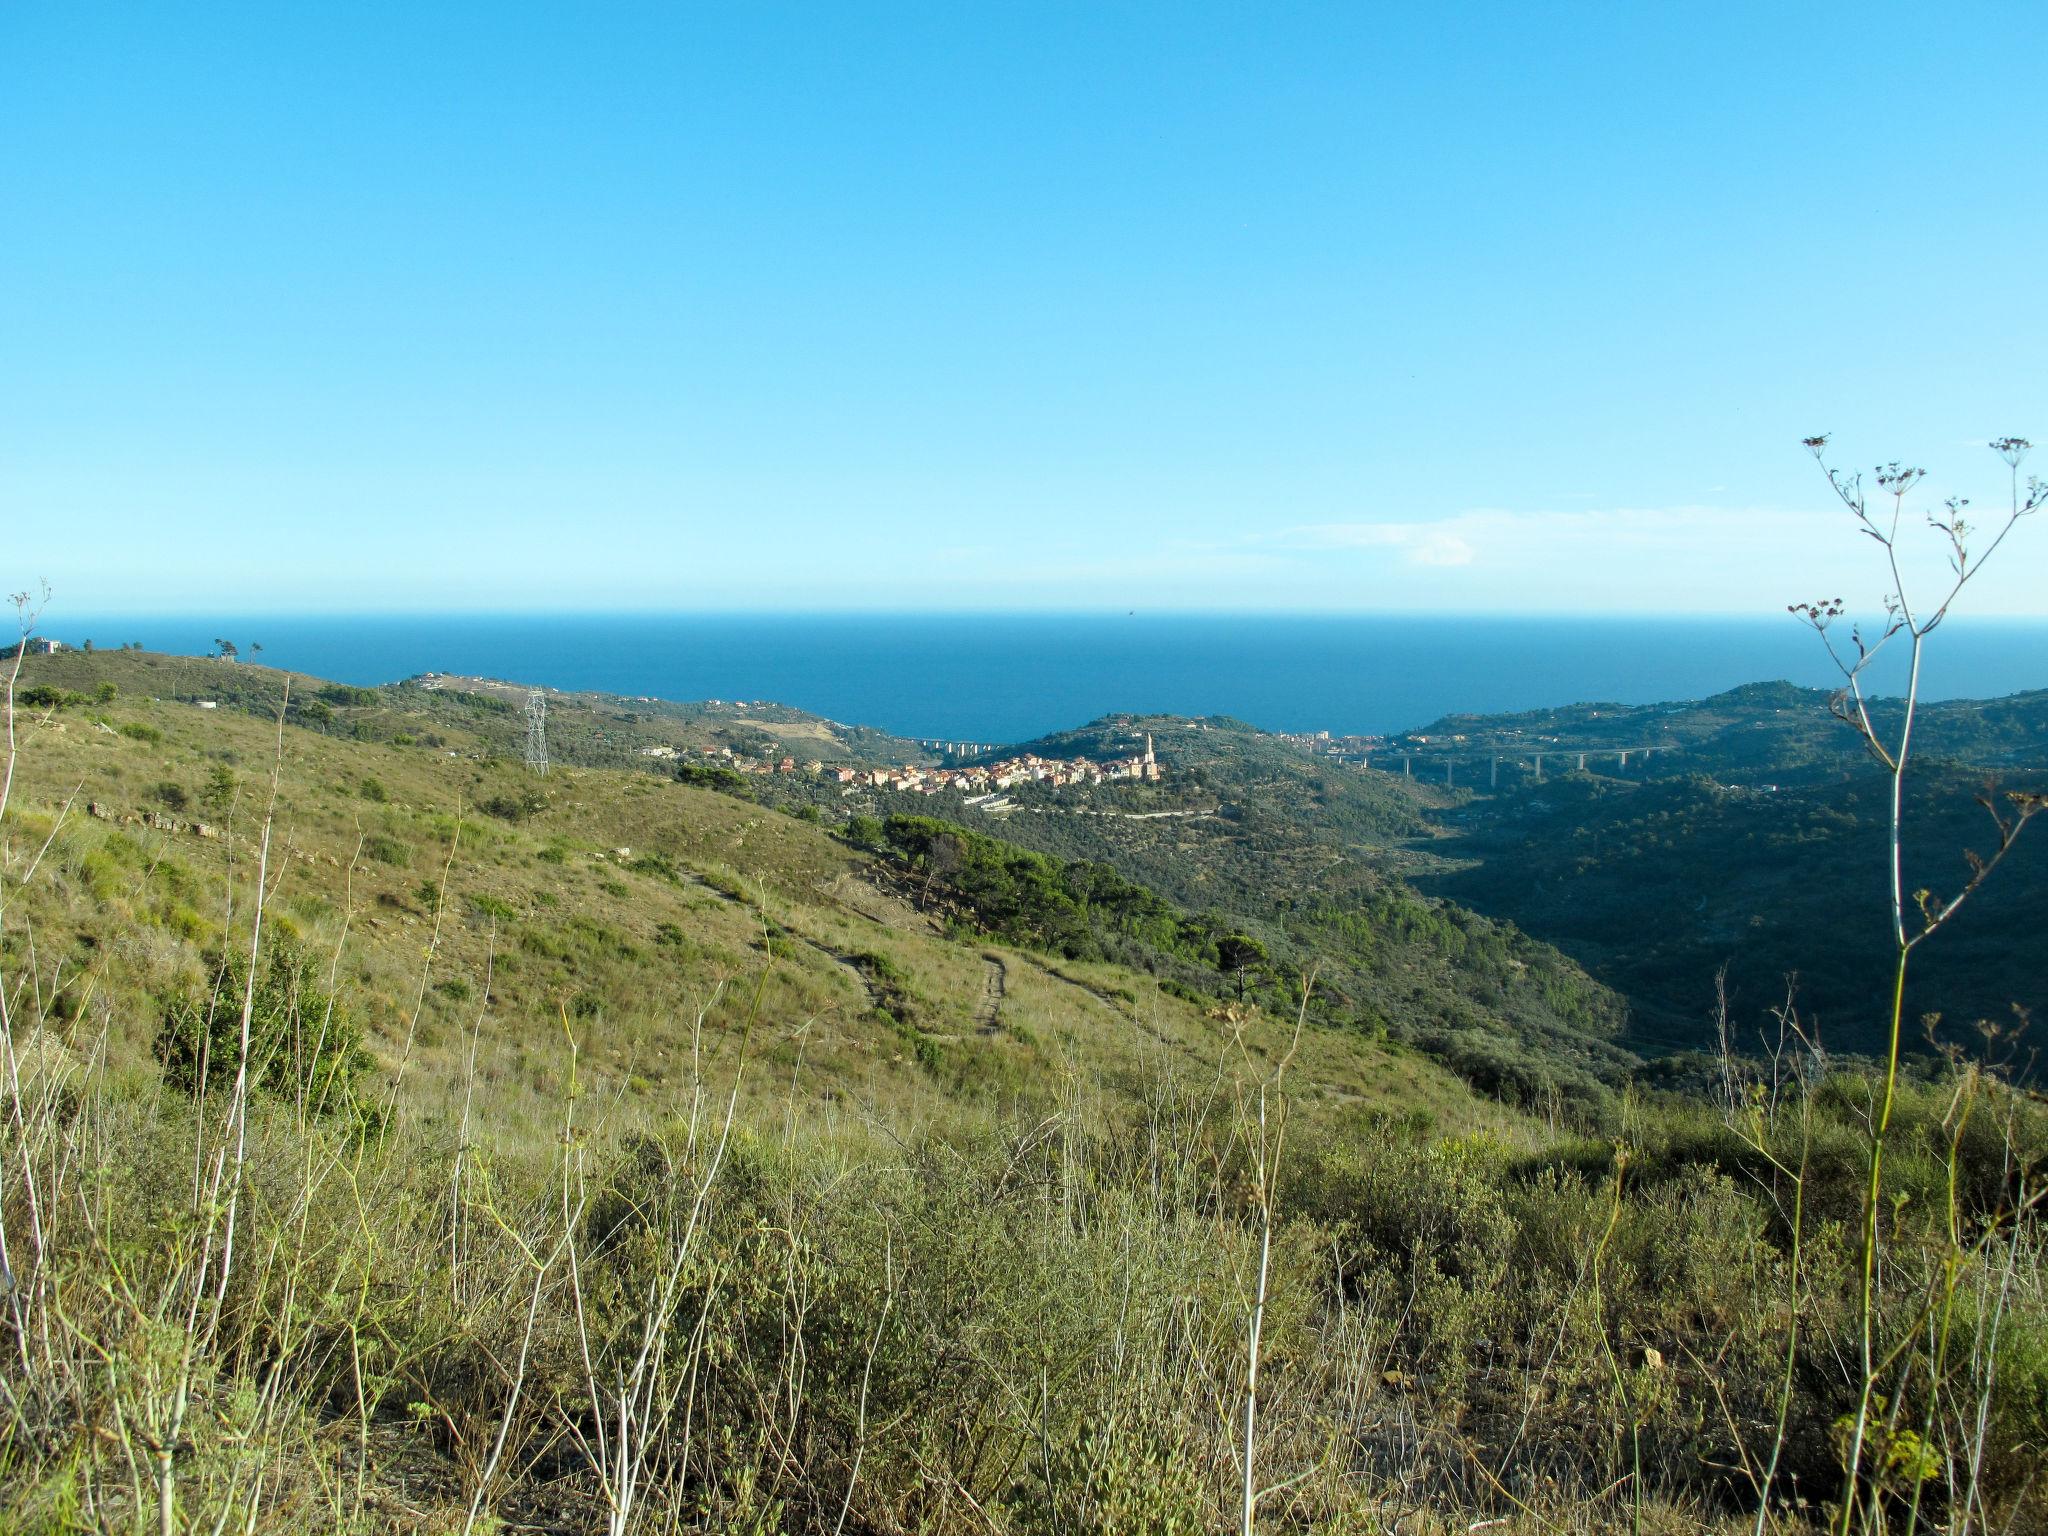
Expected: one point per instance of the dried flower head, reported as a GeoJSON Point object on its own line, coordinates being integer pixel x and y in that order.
{"type": "Point", "coordinates": [2011, 449]}
{"type": "Point", "coordinates": [1818, 612]}
{"type": "Point", "coordinates": [1896, 479]}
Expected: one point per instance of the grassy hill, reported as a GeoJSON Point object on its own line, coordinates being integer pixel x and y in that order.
{"type": "Point", "coordinates": [472, 905]}
{"type": "Point", "coordinates": [589, 729]}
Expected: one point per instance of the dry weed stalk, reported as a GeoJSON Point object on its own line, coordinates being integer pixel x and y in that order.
{"type": "Point", "coordinates": [1913, 623]}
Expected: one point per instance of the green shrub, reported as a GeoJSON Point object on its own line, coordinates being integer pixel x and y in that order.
{"type": "Point", "coordinates": [304, 1043]}
{"type": "Point", "coordinates": [386, 849]}
{"type": "Point", "coordinates": [724, 780]}
{"type": "Point", "coordinates": [344, 695]}
{"type": "Point", "coordinates": [513, 807]}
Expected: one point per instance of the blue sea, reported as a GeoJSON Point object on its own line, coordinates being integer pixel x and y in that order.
{"type": "Point", "coordinates": [1007, 678]}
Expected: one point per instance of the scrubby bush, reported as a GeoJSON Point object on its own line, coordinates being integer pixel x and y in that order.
{"type": "Point", "coordinates": [386, 849]}
{"type": "Point", "coordinates": [303, 1043]}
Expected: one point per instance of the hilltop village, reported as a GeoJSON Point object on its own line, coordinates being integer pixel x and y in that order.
{"type": "Point", "coordinates": [973, 778]}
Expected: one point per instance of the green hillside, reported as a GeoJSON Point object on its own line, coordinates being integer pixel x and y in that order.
{"type": "Point", "coordinates": [1250, 836]}
{"type": "Point", "coordinates": [601, 1152]}
{"type": "Point", "coordinates": [413, 843]}
{"type": "Point", "coordinates": [1757, 842]}
{"type": "Point", "coordinates": [1760, 728]}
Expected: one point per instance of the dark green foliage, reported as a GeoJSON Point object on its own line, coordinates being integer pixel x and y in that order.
{"type": "Point", "coordinates": [1027, 898]}
{"type": "Point", "coordinates": [387, 850]}
{"type": "Point", "coordinates": [659, 865]}
{"type": "Point", "coordinates": [1655, 887]}
{"type": "Point", "coordinates": [373, 789]}
{"type": "Point", "coordinates": [49, 698]}
{"type": "Point", "coordinates": [343, 696]}
{"type": "Point", "coordinates": [513, 806]}
{"type": "Point", "coordinates": [137, 730]}
{"type": "Point", "coordinates": [1238, 953]}
{"type": "Point", "coordinates": [724, 780]}
{"type": "Point", "coordinates": [304, 1043]}
{"type": "Point", "coordinates": [221, 786]}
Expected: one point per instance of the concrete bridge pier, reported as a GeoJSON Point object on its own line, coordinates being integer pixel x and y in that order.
{"type": "Point", "coordinates": [1582, 762]}
{"type": "Point", "coordinates": [1539, 767]}
{"type": "Point", "coordinates": [1408, 764]}
{"type": "Point", "coordinates": [1447, 773]}
{"type": "Point", "coordinates": [1493, 773]}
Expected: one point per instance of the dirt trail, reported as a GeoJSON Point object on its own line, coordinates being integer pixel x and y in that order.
{"type": "Point", "coordinates": [989, 1016]}
{"type": "Point", "coordinates": [845, 962]}
{"type": "Point", "coordinates": [1122, 1008]}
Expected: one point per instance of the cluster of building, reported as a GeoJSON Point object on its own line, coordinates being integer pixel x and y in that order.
{"type": "Point", "coordinates": [974, 779]}
{"type": "Point", "coordinates": [1006, 773]}
{"type": "Point", "coordinates": [1323, 744]}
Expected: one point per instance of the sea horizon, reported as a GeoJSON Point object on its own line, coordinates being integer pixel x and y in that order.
{"type": "Point", "coordinates": [1009, 677]}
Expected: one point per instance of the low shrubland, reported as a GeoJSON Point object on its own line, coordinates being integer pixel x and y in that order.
{"type": "Point", "coordinates": [229, 1310]}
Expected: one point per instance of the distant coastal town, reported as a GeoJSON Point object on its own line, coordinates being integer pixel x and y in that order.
{"type": "Point", "coordinates": [971, 779]}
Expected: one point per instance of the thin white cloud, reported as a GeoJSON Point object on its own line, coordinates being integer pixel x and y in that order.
{"type": "Point", "coordinates": [1422, 543]}
{"type": "Point", "coordinates": [1698, 558]}
{"type": "Point", "coordinates": [1442, 549]}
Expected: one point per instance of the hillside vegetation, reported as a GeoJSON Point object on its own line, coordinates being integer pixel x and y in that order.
{"type": "Point", "coordinates": [621, 899]}
{"type": "Point", "coordinates": [396, 1140]}
{"type": "Point", "coordinates": [1757, 845]}
{"type": "Point", "coordinates": [1306, 859]}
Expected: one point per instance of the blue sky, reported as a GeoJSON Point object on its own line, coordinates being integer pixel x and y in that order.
{"type": "Point", "coordinates": [1505, 308]}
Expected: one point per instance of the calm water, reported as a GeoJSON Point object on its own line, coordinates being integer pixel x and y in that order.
{"type": "Point", "coordinates": [1006, 678]}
